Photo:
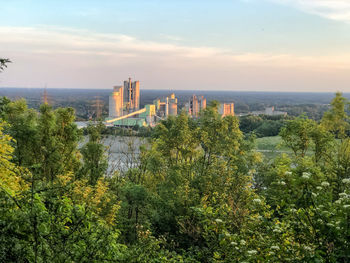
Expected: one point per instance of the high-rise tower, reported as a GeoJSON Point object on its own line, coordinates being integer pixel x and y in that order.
{"type": "Point", "coordinates": [116, 100]}
{"type": "Point", "coordinates": [227, 109]}
{"type": "Point", "coordinates": [196, 105]}
{"type": "Point", "coordinates": [131, 95]}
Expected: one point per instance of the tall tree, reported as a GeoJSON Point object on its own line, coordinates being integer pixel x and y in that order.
{"type": "Point", "coordinates": [336, 119]}
{"type": "Point", "coordinates": [94, 155]}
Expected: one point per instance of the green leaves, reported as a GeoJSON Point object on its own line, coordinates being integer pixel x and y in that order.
{"type": "Point", "coordinates": [336, 119]}
{"type": "Point", "coordinates": [199, 193]}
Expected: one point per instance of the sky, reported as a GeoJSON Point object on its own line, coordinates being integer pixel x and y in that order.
{"type": "Point", "coordinates": [240, 45]}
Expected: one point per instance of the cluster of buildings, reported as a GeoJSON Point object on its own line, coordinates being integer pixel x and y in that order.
{"type": "Point", "coordinates": [195, 105]}
{"type": "Point", "coordinates": [124, 107]}
{"type": "Point", "coordinates": [270, 111]}
{"type": "Point", "coordinates": [166, 106]}
{"type": "Point", "coordinates": [124, 99]}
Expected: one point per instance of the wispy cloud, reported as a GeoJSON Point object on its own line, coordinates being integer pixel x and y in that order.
{"type": "Point", "coordinates": [80, 58]}
{"type": "Point", "coordinates": [79, 42]}
{"type": "Point", "coordinates": [331, 9]}
{"type": "Point", "coordinates": [63, 40]}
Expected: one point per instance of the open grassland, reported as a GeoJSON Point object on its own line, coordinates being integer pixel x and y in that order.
{"type": "Point", "coordinates": [274, 146]}
{"type": "Point", "coordinates": [273, 143]}
{"type": "Point", "coordinates": [271, 146]}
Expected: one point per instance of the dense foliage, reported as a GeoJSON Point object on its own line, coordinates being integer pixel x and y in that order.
{"type": "Point", "coordinates": [198, 192]}
{"type": "Point", "coordinates": [263, 125]}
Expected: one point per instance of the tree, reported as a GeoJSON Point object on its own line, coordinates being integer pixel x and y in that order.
{"type": "Point", "coordinates": [3, 63]}
{"type": "Point", "coordinates": [47, 215]}
{"type": "Point", "coordinates": [296, 135]}
{"type": "Point", "coordinates": [94, 155]}
{"type": "Point", "coordinates": [336, 119]}
{"type": "Point", "coordinates": [45, 142]}
{"type": "Point", "coordinates": [22, 126]}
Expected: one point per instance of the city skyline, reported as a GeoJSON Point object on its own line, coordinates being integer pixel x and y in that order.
{"type": "Point", "coordinates": [265, 45]}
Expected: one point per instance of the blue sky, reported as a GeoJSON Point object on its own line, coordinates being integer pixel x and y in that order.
{"type": "Point", "coordinates": [301, 45]}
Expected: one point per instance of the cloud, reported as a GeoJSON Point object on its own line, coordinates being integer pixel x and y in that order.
{"type": "Point", "coordinates": [64, 40]}
{"type": "Point", "coordinates": [331, 9]}
{"type": "Point", "coordinates": [55, 40]}
{"type": "Point", "coordinates": [64, 57]}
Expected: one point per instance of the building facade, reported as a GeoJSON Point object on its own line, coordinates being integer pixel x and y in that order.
{"type": "Point", "coordinates": [227, 109]}
{"type": "Point", "coordinates": [131, 95]}
{"type": "Point", "coordinates": [116, 104]}
{"type": "Point", "coordinates": [172, 105]}
{"type": "Point", "coordinates": [195, 105]}
{"type": "Point", "coordinates": [166, 106]}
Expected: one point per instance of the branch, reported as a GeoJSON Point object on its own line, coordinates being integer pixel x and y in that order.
{"type": "Point", "coordinates": [3, 62]}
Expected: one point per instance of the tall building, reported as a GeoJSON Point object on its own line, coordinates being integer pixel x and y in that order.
{"type": "Point", "coordinates": [196, 105]}
{"type": "Point", "coordinates": [202, 103]}
{"type": "Point", "coordinates": [166, 106]}
{"type": "Point", "coordinates": [131, 95]}
{"type": "Point", "coordinates": [172, 105]}
{"type": "Point", "coordinates": [116, 100]}
{"type": "Point", "coordinates": [227, 109]}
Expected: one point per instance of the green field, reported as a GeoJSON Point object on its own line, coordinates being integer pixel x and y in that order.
{"type": "Point", "coordinates": [271, 146]}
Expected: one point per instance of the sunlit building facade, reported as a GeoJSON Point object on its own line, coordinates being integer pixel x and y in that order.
{"type": "Point", "coordinates": [116, 100]}
{"type": "Point", "coordinates": [166, 106]}
{"type": "Point", "coordinates": [196, 104]}
{"type": "Point", "coordinates": [131, 95]}
{"type": "Point", "coordinates": [227, 109]}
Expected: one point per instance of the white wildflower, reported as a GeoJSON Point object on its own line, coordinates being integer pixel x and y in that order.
{"type": "Point", "coordinates": [319, 188]}
{"type": "Point", "coordinates": [343, 195]}
{"type": "Point", "coordinates": [338, 201]}
{"type": "Point", "coordinates": [243, 242]}
{"type": "Point", "coordinates": [325, 184]}
{"type": "Point", "coordinates": [275, 247]}
{"type": "Point", "coordinates": [257, 200]}
{"type": "Point", "coordinates": [346, 181]}
{"type": "Point", "coordinates": [330, 225]}
{"type": "Point", "coordinates": [282, 183]}
{"type": "Point", "coordinates": [306, 175]}
{"type": "Point", "coordinates": [252, 252]}
{"type": "Point", "coordinates": [346, 206]}
{"type": "Point", "coordinates": [288, 173]}
{"type": "Point", "coordinates": [313, 194]}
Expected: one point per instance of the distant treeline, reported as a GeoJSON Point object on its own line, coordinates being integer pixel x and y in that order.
{"type": "Point", "coordinates": [263, 125]}
{"type": "Point", "coordinates": [83, 100]}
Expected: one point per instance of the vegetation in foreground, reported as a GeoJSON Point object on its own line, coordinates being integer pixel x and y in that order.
{"type": "Point", "coordinates": [200, 193]}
